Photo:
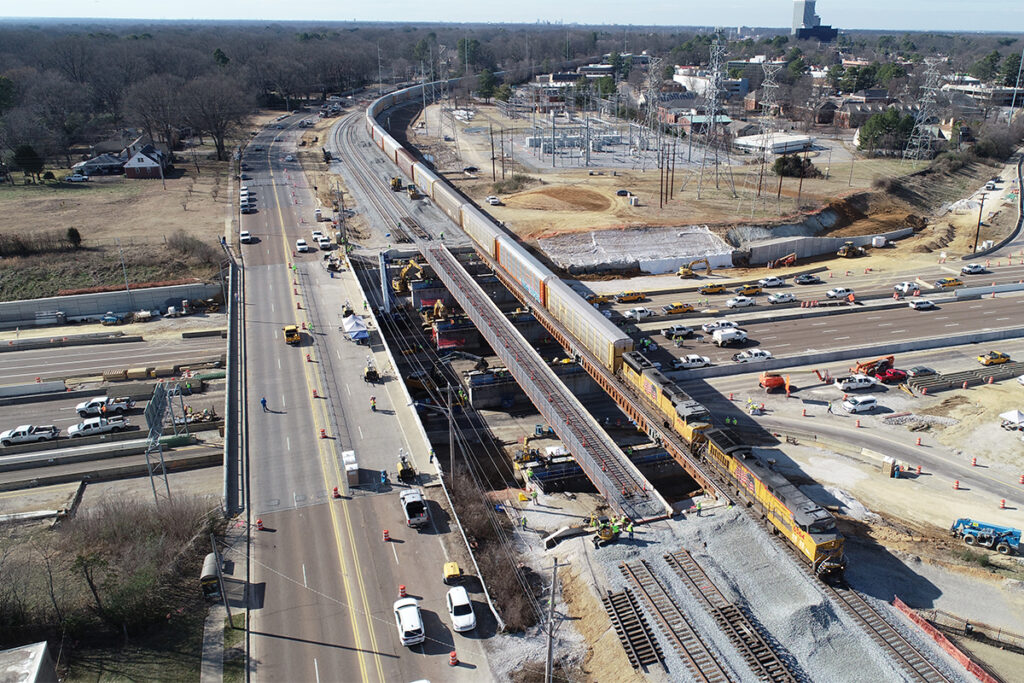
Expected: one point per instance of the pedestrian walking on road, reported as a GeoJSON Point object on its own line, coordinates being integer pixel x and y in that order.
{"type": "Point", "coordinates": [263, 402]}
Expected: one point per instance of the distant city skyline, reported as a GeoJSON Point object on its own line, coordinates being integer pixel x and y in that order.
{"type": "Point", "coordinates": [901, 15]}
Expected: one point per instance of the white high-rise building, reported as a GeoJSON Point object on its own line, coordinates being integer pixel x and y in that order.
{"type": "Point", "coordinates": [804, 16]}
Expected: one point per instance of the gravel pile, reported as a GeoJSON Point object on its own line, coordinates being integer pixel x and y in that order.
{"type": "Point", "coordinates": [627, 248]}
{"type": "Point", "coordinates": [929, 419]}
{"type": "Point", "coordinates": [751, 571]}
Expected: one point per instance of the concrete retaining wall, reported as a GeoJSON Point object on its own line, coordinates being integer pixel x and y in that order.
{"type": "Point", "coordinates": [23, 313]}
{"type": "Point", "coordinates": [74, 340]}
{"type": "Point", "coordinates": [849, 354]}
{"type": "Point", "coordinates": [768, 250]}
{"type": "Point", "coordinates": [671, 265]}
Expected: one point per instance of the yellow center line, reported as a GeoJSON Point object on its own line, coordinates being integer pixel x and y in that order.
{"type": "Point", "coordinates": [317, 413]}
{"type": "Point", "coordinates": [321, 417]}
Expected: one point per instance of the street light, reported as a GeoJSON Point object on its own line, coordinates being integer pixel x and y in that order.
{"type": "Point", "coordinates": [451, 426]}
{"type": "Point", "coordinates": [977, 233]}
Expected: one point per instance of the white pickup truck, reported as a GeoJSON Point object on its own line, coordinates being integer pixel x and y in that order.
{"type": "Point", "coordinates": [855, 382]}
{"type": "Point", "coordinates": [415, 508]}
{"type": "Point", "coordinates": [115, 406]}
{"type": "Point", "coordinates": [98, 425]}
{"type": "Point", "coordinates": [29, 434]}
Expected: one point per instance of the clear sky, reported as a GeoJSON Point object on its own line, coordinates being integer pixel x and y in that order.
{"type": "Point", "coordinates": [940, 15]}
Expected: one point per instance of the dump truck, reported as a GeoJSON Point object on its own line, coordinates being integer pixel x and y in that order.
{"type": "Point", "coordinates": [29, 434]}
{"type": "Point", "coordinates": [414, 507]}
{"type": "Point", "coordinates": [292, 335]}
{"type": "Point", "coordinates": [1003, 539]}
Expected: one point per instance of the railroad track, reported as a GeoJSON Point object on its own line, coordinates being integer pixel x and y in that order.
{"type": "Point", "coordinates": [630, 625]}
{"type": "Point", "coordinates": [759, 654]}
{"type": "Point", "coordinates": [885, 635]}
{"type": "Point", "coordinates": [696, 655]}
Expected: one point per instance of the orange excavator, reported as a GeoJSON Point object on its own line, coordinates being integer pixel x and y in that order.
{"type": "Point", "coordinates": [787, 260]}
{"type": "Point", "coordinates": [870, 367]}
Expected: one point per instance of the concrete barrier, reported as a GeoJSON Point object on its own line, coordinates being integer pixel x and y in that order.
{"type": "Point", "coordinates": [173, 464]}
{"type": "Point", "coordinates": [204, 333]}
{"type": "Point", "coordinates": [60, 341]}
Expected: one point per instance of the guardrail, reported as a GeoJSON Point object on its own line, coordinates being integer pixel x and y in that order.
{"type": "Point", "coordinates": [1020, 219]}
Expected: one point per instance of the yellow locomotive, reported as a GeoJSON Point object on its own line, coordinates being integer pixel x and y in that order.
{"type": "Point", "coordinates": [807, 526]}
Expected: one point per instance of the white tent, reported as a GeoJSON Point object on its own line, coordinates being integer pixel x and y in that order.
{"type": "Point", "coordinates": [354, 326]}
{"type": "Point", "coordinates": [1013, 416]}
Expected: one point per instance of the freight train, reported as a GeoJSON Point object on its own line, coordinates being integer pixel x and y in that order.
{"type": "Point", "coordinates": [807, 526]}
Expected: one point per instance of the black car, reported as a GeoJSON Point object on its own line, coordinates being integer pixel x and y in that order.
{"type": "Point", "coordinates": [622, 193]}
{"type": "Point", "coordinates": [807, 279]}
{"type": "Point", "coordinates": [249, 208]}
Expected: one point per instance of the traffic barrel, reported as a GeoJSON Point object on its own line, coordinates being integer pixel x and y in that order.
{"type": "Point", "coordinates": [298, 305]}
{"type": "Point", "coordinates": [1022, 479]}
{"type": "Point", "coordinates": [918, 441]}
{"type": "Point", "coordinates": [401, 592]}
{"type": "Point", "coordinates": [924, 391]}
{"type": "Point", "coordinates": [336, 494]}
{"type": "Point", "coordinates": [991, 378]}
{"type": "Point", "coordinates": [1002, 503]}
{"type": "Point", "coordinates": [259, 525]}
{"type": "Point", "coordinates": [919, 470]}
{"type": "Point", "coordinates": [858, 424]}
{"type": "Point", "coordinates": [956, 485]}
{"type": "Point", "coordinates": [974, 462]}
{"type": "Point", "coordinates": [803, 413]}
{"type": "Point", "coordinates": [309, 359]}
{"type": "Point", "coordinates": [453, 659]}
{"type": "Point", "coordinates": [315, 395]}
{"type": "Point", "coordinates": [323, 434]}
{"type": "Point", "coordinates": [387, 535]}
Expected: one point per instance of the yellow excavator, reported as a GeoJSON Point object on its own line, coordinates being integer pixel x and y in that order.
{"type": "Point", "coordinates": [396, 183]}
{"type": "Point", "coordinates": [400, 284]}
{"type": "Point", "coordinates": [687, 270]}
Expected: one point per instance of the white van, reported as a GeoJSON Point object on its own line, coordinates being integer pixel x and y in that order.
{"type": "Point", "coordinates": [860, 404]}
{"type": "Point", "coordinates": [727, 336]}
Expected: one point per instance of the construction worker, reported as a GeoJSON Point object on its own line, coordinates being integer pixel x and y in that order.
{"type": "Point", "coordinates": [529, 473]}
{"type": "Point", "coordinates": [373, 404]}
{"type": "Point", "coordinates": [383, 477]}
{"type": "Point", "coordinates": [263, 402]}
{"type": "Point", "coordinates": [522, 521]}
{"type": "Point", "coordinates": [698, 508]}
{"type": "Point", "coordinates": [533, 496]}
{"type": "Point", "coordinates": [629, 529]}
{"type": "Point", "coordinates": [431, 455]}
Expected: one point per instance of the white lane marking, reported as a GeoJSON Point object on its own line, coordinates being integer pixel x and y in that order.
{"type": "Point", "coordinates": [288, 443]}
{"type": "Point", "coordinates": [349, 391]}
{"type": "Point", "coordinates": [271, 307]}
{"type": "Point", "coordinates": [304, 584]}
{"type": "Point", "coordinates": [779, 346]}
{"type": "Point", "coordinates": [337, 352]}
{"type": "Point", "coordinates": [817, 324]}
{"type": "Point", "coordinates": [278, 363]}
{"type": "Point", "coordinates": [941, 317]}
{"type": "Point", "coordinates": [997, 319]}
{"type": "Point", "coordinates": [975, 306]}
{"type": "Point", "coordinates": [394, 549]}
{"type": "Point", "coordinates": [875, 317]}
{"type": "Point", "coordinates": [886, 324]}
{"type": "Point", "coordinates": [838, 338]}
{"type": "Point", "coordinates": [316, 670]}
{"type": "Point", "coordinates": [769, 337]}
{"type": "Point", "coordinates": [952, 325]}
{"type": "Point", "coordinates": [989, 312]}
{"type": "Point", "coordinates": [828, 330]}
{"type": "Point", "coordinates": [897, 331]}
{"type": "Point", "coordinates": [360, 428]}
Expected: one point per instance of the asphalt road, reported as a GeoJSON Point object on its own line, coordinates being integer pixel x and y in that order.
{"type": "Point", "coordinates": [325, 579]}
{"type": "Point", "coordinates": [855, 326]}
{"type": "Point", "coordinates": [20, 367]}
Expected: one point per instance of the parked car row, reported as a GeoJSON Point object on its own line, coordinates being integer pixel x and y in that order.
{"type": "Point", "coordinates": [99, 413]}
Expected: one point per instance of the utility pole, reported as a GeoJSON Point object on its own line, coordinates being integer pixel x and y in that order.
{"type": "Point", "coordinates": [380, 76]}
{"type": "Point", "coordinates": [451, 437]}
{"type": "Point", "coordinates": [549, 666]}
{"type": "Point", "coordinates": [490, 129]}
{"type": "Point", "coordinates": [977, 233]}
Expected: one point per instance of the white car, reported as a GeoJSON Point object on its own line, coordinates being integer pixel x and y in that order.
{"type": "Point", "coordinates": [301, 246]}
{"type": "Point", "coordinates": [740, 301]}
{"type": "Point", "coordinates": [718, 325]}
{"type": "Point", "coordinates": [972, 269]}
{"type": "Point", "coordinates": [781, 298]}
{"type": "Point", "coordinates": [905, 287]}
{"type": "Point", "coordinates": [493, 201]}
{"type": "Point", "coordinates": [839, 292]}
{"type": "Point", "coordinates": [921, 304]}
{"type": "Point", "coordinates": [317, 235]}
{"type": "Point", "coordinates": [289, 158]}
{"type": "Point", "coordinates": [639, 313]}
{"type": "Point", "coordinates": [245, 237]}
{"type": "Point", "coordinates": [772, 281]}
{"type": "Point", "coordinates": [691, 361]}
{"type": "Point", "coordinates": [324, 243]}
{"type": "Point", "coordinates": [752, 355]}
{"type": "Point", "coordinates": [409, 621]}
{"type": "Point", "coordinates": [460, 609]}
{"type": "Point", "coordinates": [76, 178]}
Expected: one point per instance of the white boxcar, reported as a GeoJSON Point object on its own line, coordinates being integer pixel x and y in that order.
{"type": "Point", "coordinates": [595, 332]}
{"type": "Point", "coordinates": [424, 178]}
{"type": "Point", "coordinates": [480, 228]}
{"type": "Point", "coordinates": [449, 201]}
{"type": "Point", "coordinates": [405, 162]}
{"type": "Point", "coordinates": [391, 148]}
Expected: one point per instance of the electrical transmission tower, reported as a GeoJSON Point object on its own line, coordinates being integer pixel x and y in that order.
{"type": "Point", "coordinates": [651, 124]}
{"type": "Point", "coordinates": [714, 138]}
{"type": "Point", "coordinates": [769, 109]}
{"type": "Point", "coordinates": [920, 144]}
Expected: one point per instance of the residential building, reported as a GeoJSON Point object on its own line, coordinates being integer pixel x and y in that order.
{"type": "Point", "coordinates": [147, 162]}
{"type": "Point", "coordinates": [104, 164]}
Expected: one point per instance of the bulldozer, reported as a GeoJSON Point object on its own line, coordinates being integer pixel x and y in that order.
{"type": "Point", "coordinates": [848, 250]}
{"type": "Point", "coordinates": [400, 284]}
{"type": "Point", "coordinates": [687, 270]}
{"type": "Point", "coordinates": [396, 183]}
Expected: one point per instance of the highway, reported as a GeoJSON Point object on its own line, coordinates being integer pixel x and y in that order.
{"type": "Point", "coordinates": [20, 367]}
{"type": "Point", "coordinates": [856, 326]}
{"type": "Point", "coordinates": [325, 581]}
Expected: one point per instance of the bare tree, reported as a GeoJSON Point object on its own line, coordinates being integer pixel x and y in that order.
{"type": "Point", "coordinates": [62, 107]}
{"type": "Point", "coordinates": [218, 105]}
{"type": "Point", "coordinates": [156, 102]}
